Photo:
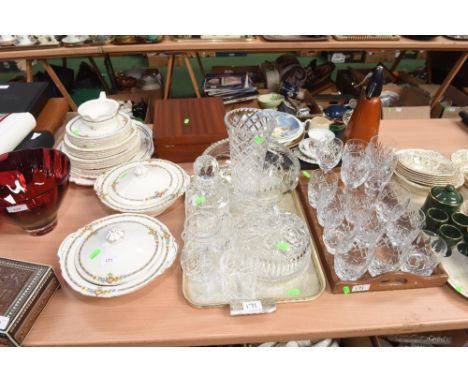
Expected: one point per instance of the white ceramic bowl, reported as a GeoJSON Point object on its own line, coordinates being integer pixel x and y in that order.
{"type": "Point", "coordinates": [99, 113]}
{"type": "Point", "coordinates": [318, 123]}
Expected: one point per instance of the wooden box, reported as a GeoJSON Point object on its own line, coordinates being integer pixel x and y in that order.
{"type": "Point", "coordinates": [388, 281]}
{"type": "Point", "coordinates": [25, 289]}
{"type": "Point", "coordinates": [184, 128]}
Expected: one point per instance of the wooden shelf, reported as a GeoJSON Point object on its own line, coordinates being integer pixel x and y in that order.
{"type": "Point", "coordinates": [159, 315]}
{"type": "Point", "coordinates": [168, 45]}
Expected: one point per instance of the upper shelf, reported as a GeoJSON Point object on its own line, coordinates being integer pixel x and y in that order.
{"type": "Point", "coordinates": [168, 45]}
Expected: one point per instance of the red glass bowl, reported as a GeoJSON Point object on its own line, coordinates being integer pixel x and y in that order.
{"type": "Point", "coordinates": [32, 186]}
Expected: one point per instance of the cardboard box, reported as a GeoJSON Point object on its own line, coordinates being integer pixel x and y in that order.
{"type": "Point", "coordinates": [376, 56]}
{"type": "Point", "coordinates": [414, 103]}
{"type": "Point", "coordinates": [137, 95]}
{"type": "Point", "coordinates": [351, 56]}
{"type": "Point", "coordinates": [413, 54]}
{"type": "Point", "coordinates": [159, 60]}
{"type": "Point", "coordinates": [452, 103]}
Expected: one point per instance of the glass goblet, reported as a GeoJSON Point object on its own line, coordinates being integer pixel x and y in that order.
{"type": "Point", "coordinates": [329, 153]}
{"type": "Point", "coordinates": [423, 256]}
{"type": "Point", "coordinates": [387, 258]}
{"type": "Point", "coordinates": [355, 163]}
{"type": "Point", "coordinates": [392, 202]}
{"type": "Point", "coordinates": [340, 238]}
{"type": "Point", "coordinates": [350, 266]}
{"type": "Point", "coordinates": [321, 185]}
{"type": "Point", "coordinates": [406, 228]}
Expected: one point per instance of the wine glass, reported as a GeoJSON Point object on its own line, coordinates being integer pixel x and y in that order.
{"type": "Point", "coordinates": [329, 153]}
{"type": "Point", "coordinates": [356, 163]}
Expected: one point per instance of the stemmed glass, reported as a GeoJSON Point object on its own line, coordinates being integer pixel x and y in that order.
{"type": "Point", "coordinates": [323, 183]}
{"type": "Point", "coordinates": [423, 256]}
{"type": "Point", "coordinates": [339, 239]}
{"type": "Point", "coordinates": [330, 213]}
{"type": "Point", "coordinates": [383, 160]}
{"type": "Point", "coordinates": [406, 228]}
{"type": "Point", "coordinates": [329, 153]}
{"type": "Point", "coordinates": [351, 265]}
{"type": "Point", "coordinates": [387, 258]}
{"type": "Point", "coordinates": [392, 202]}
{"type": "Point", "coordinates": [356, 163]}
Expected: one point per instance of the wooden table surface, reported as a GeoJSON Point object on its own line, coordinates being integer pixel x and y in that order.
{"type": "Point", "coordinates": [257, 45]}
{"type": "Point", "coordinates": [159, 315]}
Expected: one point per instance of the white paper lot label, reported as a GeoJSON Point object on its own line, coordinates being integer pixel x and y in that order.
{"type": "Point", "coordinates": [361, 288]}
{"type": "Point", "coordinates": [252, 307]}
{"type": "Point", "coordinates": [4, 322]}
{"type": "Point", "coordinates": [18, 208]}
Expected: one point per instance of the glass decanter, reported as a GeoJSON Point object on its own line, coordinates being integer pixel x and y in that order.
{"type": "Point", "coordinates": [208, 191]}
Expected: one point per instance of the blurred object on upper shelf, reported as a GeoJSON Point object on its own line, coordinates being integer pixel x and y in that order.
{"type": "Point", "coordinates": [422, 37]}
{"type": "Point", "coordinates": [295, 37]}
{"type": "Point", "coordinates": [101, 39]}
{"type": "Point", "coordinates": [7, 40]}
{"type": "Point", "coordinates": [75, 40]}
{"type": "Point", "coordinates": [214, 38]}
{"type": "Point", "coordinates": [366, 37]}
{"type": "Point", "coordinates": [136, 39]}
{"type": "Point", "coordinates": [457, 37]}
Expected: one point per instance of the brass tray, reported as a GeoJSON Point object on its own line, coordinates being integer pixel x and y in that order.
{"type": "Point", "coordinates": [306, 286]}
{"type": "Point", "coordinates": [198, 38]}
{"type": "Point", "coordinates": [366, 37]}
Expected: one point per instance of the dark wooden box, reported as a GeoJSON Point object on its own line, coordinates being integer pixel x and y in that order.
{"type": "Point", "coordinates": [25, 289]}
{"type": "Point", "coordinates": [184, 128]}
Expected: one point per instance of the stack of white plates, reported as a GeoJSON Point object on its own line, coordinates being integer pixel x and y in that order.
{"type": "Point", "coordinates": [116, 255]}
{"type": "Point", "coordinates": [148, 187]}
{"type": "Point", "coordinates": [460, 158]}
{"type": "Point", "coordinates": [427, 168]}
{"type": "Point", "coordinates": [93, 152]}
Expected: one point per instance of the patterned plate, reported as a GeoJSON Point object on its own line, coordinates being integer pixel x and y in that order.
{"type": "Point", "coordinates": [288, 128]}
{"type": "Point", "coordinates": [460, 158]}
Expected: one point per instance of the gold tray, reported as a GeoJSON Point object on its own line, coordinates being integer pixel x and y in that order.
{"type": "Point", "coordinates": [310, 282]}
{"type": "Point", "coordinates": [214, 39]}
